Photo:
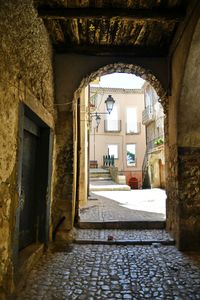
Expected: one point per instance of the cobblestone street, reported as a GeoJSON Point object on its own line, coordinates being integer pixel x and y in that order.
{"type": "Point", "coordinates": [114, 272]}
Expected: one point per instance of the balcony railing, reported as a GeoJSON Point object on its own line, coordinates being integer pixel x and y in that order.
{"type": "Point", "coordinates": [112, 125]}
{"type": "Point", "coordinates": [108, 160]}
{"type": "Point", "coordinates": [133, 128]}
{"type": "Point", "coordinates": [148, 115]}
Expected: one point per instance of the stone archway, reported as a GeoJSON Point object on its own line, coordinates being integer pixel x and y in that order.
{"type": "Point", "coordinates": [79, 96]}
{"type": "Point", "coordinates": [130, 69]}
{"type": "Point", "coordinates": [64, 208]}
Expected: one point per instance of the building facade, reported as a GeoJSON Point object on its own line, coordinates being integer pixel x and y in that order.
{"type": "Point", "coordinates": [119, 133]}
{"type": "Point", "coordinates": [153, 119]}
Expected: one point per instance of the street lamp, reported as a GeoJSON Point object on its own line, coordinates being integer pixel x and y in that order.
{"type": "Point", "coordinates": [98, 119]}
{"type": "Point", "coordinates": [109, 102]}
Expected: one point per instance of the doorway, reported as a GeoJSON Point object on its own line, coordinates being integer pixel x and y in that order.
{"type": "Point", "coordinates": [28, 201]}
{"type": "Point", "coordinates": [35, 164]}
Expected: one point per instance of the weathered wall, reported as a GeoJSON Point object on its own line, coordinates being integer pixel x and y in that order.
{"type": "Point", "coordinates": [183, 131]}
{"type": "Point", "coordinates": [62, 207]}
{"type": "Point", "coordinates": [189, 148]}
{"type": "Point", "coordinates": [72, 69]}
{"type": "Point", "coordinates": [25, 75]}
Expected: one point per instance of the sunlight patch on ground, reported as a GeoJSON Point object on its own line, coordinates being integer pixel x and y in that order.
{"type": "Point", "coordinates": [149, 200]}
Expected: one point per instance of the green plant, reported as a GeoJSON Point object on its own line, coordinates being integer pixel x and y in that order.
{"type": "Point", "coordinates": [158, 142]}
{"type": "Point", "coordinates": [130, 157]}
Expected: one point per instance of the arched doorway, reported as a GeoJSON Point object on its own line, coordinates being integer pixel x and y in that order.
{"type": "Point", "coordinates": [82, 169]}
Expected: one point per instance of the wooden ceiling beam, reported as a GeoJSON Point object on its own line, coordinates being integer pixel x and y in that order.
{"type": "Point", "coordinates": [122, 51]}
{"type": "Point", "coordinates": [157, 14]}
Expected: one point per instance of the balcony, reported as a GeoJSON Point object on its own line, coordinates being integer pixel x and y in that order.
{"type": "Point", "coordinates": [133, 128]}
{"type": "Point", "coordinates": [148, 115]}
{"type": "Point", "coordinates": [112, 125]}
{"type": "Point", "coordinates": [155, 143]}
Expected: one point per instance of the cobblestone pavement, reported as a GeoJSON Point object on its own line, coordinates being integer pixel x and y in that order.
{"type": "Point", "coordinates": [94, 272]}
{"type": "Point", "coordinates": [122, 234]}
{"type": "Point", "coordinates": [137, 205]}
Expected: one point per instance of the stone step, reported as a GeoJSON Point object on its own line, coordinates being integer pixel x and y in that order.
{"type": "Point", "coordinates": [101, 179]}
{"type": "Point", "coordinates": [122, 225]}
{"type": "Point", "coordinates": [99, 170]}
{"type": "Point", "coordinates": [156, 243]}
{"type": "Point", "coordinates": [154, 237]}
{"type": "Point", "coordinates": [106, 185]}
{"type": "Point", "coordinates": [97, 175]}
{"type": "Point", "coordinates": [108, 188]}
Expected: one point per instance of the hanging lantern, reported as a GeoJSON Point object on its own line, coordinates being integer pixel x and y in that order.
{"type": "Point", "coordinates": [98, 120]}
{"type": "Point", "coordinates": [109, 103]}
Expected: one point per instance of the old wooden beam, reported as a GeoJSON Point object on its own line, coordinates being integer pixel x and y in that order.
{"type": "Point", "coordinates": [167, 14]}
{"type": "Point", "coordinates": [98, 50]}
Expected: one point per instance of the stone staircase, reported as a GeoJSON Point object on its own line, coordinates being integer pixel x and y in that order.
{"type": "Point", "coordinates": [100, 180]}
{"type": "Point", "coordinates": [100, 175]}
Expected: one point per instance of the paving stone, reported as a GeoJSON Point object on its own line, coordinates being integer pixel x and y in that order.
{"type": "Point", "coordinates": [140, 272]}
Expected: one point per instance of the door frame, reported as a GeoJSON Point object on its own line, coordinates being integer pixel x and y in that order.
{"type": "Point", "coordinates": [43, 190]}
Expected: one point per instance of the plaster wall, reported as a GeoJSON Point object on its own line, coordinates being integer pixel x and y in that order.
{"type": "Point", "coordinates": [25, 76]}
{"type": "Point", "coordinates": [189, 107]}
{"type": "Point", "coordinates": [71, 69]}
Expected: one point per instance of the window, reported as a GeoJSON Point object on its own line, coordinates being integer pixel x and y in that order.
{"type": "Point", "coordinates": [148, 102]}
{"type": "Point", "coordinates": [112, 120]}
{"type": "Point", "coordinates": [131, 119]}
{"type": "Point", "coordinates": [131, 155]}
{"type": "Point", "coordinates": [113, 150]}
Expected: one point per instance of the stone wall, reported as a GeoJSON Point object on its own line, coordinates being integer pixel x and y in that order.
{"type": "Point", "coordinates": [183, 131]}
{"type": "Point", "coordinates": [114, 173]}
{"type": "Point", "coordinates": [172, 204]}
{"type": "Point", "coordinates": [189, 195]}
{"type": "Point", "coordinates": [25, 76]}
{"type": "Point", "coordinates": [63, 204]}
{"type": "Point", "coordinates": [188, 148]}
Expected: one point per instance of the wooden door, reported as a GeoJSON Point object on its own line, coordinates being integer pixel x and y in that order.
{"type": "Point", "coordinates": [28, 201]}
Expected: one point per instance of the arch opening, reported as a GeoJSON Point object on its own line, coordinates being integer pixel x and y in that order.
{"type": "Point", "coordinates": [84, 158]}
{"type": "Point", "coordinates": [137, 70]}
